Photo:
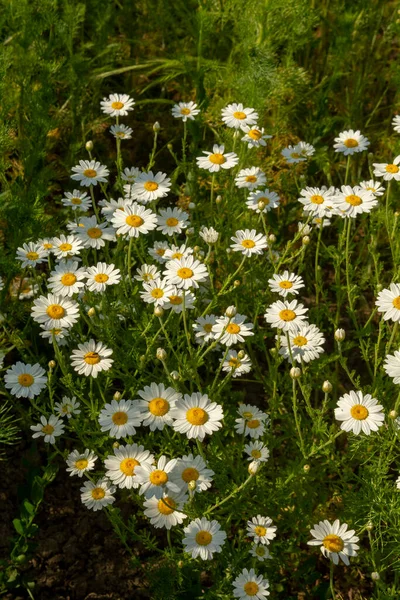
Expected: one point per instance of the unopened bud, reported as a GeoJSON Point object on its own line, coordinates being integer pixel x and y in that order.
{"type": "Point", "coordinates": [91, 312]}
{"type": "Point", "coordinates": [116, 445]}
{"type": "Point", "coordinates": [218, 199]}
{"type": "Point", "coordinates": [306, 468]}
{"type": "Point", "coordinates": [273, 351]}
{"type": "Point", "coordinates": [189, 231]}
{"type": "Point", "coordinates": [261, 205]}
{"type": "Point", "coordinates": [180, 564]}
{"type": "Point", "coordinates": [379, 287]}
{"type": "Point", "coordinates": [295, 372]}
{"type": "Point", "coordinates": [253, 467]}
{"type": "Point", "coordinates": [306, 240]}
{"type": "Point", "coordinates": [236, 283]}
{"type": "Point", "coordinates": [272, 238]}
{"type": "Point", "coordinates": [117, 396]}
{"type": "Point", "coordinates": [369, 526]}
{"type": "Point", "coordinates": [89, 146]}
{"type": "Point", "coordinates": [158, 311]}
{"type": "Point", "coordinates": [142, 358]}
{"type": "Point", "coordinates": [397, 214]}
{"type": "Point", "coordinates": [228, 250]}
{"type": "Point", "coordinates": [170, 146]}
{"type": "Point", "coordinates": [340, 335]}
{"type": "Point", "coordinates": [327, 387]}
{"type": "Point", "coordinates": [375, 576]}
{"type": "Point", "coordinates": [231, 311]}
{"type": "Point", "coordinates": [196, 248]}
{"type": "Point", "coordinates": [191, 205]}
{"type": "Point", "coordinates": [161, 354]}
{"type": "Point", "coordinates": [52, 364]}
{"type": "Point", "coordinates": [192, 485]}
{"type": "Point", "coordinates": [156, 126]}
{"type": "Point", "coordinates": [393, 414]}
{"type": "Point", "coordinates": [200, 254]}
{"type": "Point", "coordinates": [241, 354]}
{"type": "Point", "coordinates": [175, 375]}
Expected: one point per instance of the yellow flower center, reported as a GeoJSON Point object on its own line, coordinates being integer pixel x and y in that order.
{"type": "Point", "coordinates": [90, 173]}
{"type": "Point", "coordinates": [285, 284]}
{"type": "Point", "coordinates": [207, 327]}
{"type": "Point", "coordinates": [148, 277]}
{"type": "Point", "coordinates": [203, 538]}
{"type": "Point", "coordinates": [185, 111]}
{"type": "Point", "coordinates": [101, 278]}
{"type": "Point", "coordinates": [120, 134]}
{"type": "Point", "coordinates": [234, 363]}
{"type": "Point", "coordinates": [163, 508]}
{"type": "Point", "coordinates": [158, 407]}
{"type": "Point", "coordinates": [295, 155]}
{"type": "Point", "coordinates": [158, 477]}
{"type": "Point", "coordinates": [396, 302]}
{"type": "Point", "coordinates": [353, 200]}
{"type": "Point", "coordinates": [190, 474]}
{"type": "Point", "coordinates": [217, 159]}
{"type": "Point", "coordinates": [333, 543]}
{"type": "Point", "coordinates": [256, 453]}
{"type": "Point", "coordinates": [184, 273]}
{"type": "Point", "coordinates": [260, 551]}
{"type": "Point", "coordinates": [248, 243]}
{"type": "Point", "coordinates": [92, 358]}
{"type": "Point", "coordinates": [177, 255]}
{"type": "Point", "coordinates": [119, 418]}
{"type": "Point", "coordinates": [47, 246]}
{"type": "Point", "coordinates": [117, 105]}
{"type": "Point", "coordinates": [32, 255]}
{"type": "Point", "coordinates": [287, 315]}
{"type": "Point", "coordinates": [48, 429]}
{"type": "Point", "coordinates": [127, 466]}
{"type": "Point", "coordinates": [98, 493]}
{"type": "Point", "coordinates": [134, 221]}
{"type": "Point", "coordinates": [171, 222]}
{"type": "Point", "coordinates": [251, 588]}
{"type": "Point", "coordinates": [81, 464]}
{"type": "Point", "coordinates": [255, 134]}
{"type": "Point", "coordinates": [151, 186]}
{"type": "Point", "coordinates": [251, 178]}
{"type": "Point", "coordinates": [55, 311]}
{"type": "Point", "coordinates": [317, 199]}
{"type": "Point", "coordinates": [175, 300]}
{"type": "Point", "coordinates": [260, 530]}
{"type": "Point", "coordinates": [68, 279]}
{"type": "Point", "coordinates": [233, 328]}
{"type": "Point", "coordinates": [160, 251]}
{"type": "Point", "coordinates": [351, 143]}
{"type": "Point", "coordinates": [392, 169]}
{"type": "Point", "coordinates": [359, 412]}
{"type": "Point", "coordinates": [197, 416]}
{"type": "Point", "coordinates": [253, 423]}
{"type": "Point", "coordinates": [94, 232]}
{"type": "Point", "coordinates": [247, 415]}
{"type": "Point", "coordinates": [65, 247]}
{"type": "Point", "coordinates": [157, 293]}
{"type": "Point", "coordinates": [25, 379]}
{"type": "Point", "coordinates": [239, 115]}
{"type": "Point", "coordinates": [76, 201]}
{"type": "Point", "coordinates": [299, 340]}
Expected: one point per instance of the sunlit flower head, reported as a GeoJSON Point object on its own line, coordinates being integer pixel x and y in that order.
{"type": "Point", "coordinates": [185, 111]}
{"type": "Point", "coordinates": [154, 480]}
{"type": "Point", "coordinates": [230, 331]}
{"type": "Point", "coordinates": [90, 172]}
{"type": "Point", "coordinates": [359, 413]}
{"type": "Point", "coordinates": [117, 105]}
{"type": "Point", "coordinates": [197, 416]}
{"type": "Point", "coordinates": [203, 538]}
{"type": "Point", "coordinates": [121, 466]}
{"type": "Point", "coordinates": [150, 186]}
{"type": "Point", "coordinates": [134, 220]}
{"type": "Point", "coordinates": [318, 201]}
{"type": "Point", "coordinates": [250, 179]}
{"type": "Point", "coordinates": [305, 344]}
{"type": "Point", "coordinates": [67, 278]}
{"type": "Point", "coordinates": [373, 186]}
{"type": "Point", "coordinates": [172, 220]}
{"type": "Point", "coordinates": [237, 117]}
{"type": "Point", "coordinates": [388, 171]}
{"type": "Point", "coordinates": [388, 303]}
{"type": "Point", "coordinates": [352, 201]}
{"type": "Point", "coordinates": [261, 530]}
{"type": "Point", "coordinates": [80, 462]}
{"type": "Point", "coordinates": [287, 283]}
{"type": "Point", "coordinates": [155, 403]}
{"type": "Point", "coordinates": [286, 315]}
{"type": "Point", "coordinates": [94, 234]}
{"type": "Point", "coordinates": [77, 200]}
{"type": "Point", "coordinates": [335, 541]}
{"type": "Point", "coordinates": [96, 495]}
{"type": "Point", "coordinates": [217, 159]}
{"type": "Point", "coordinates": [262, 201]}
{"type": "Point", "coordinates": [349, 142]}
{"type": "Point", "coordinates": [55, 311]}
{"type": "Point", "coordinates": [166, 511]}
{"type": "Point", "coordinates": [31, 254]}
{"type": "Point", "coordinates": [147, 273]}
{"type": "Point", "coordinates": [298, 153]}
{"type": "Point", "coordinates": [120, 418]}
{"type": "Point", "coordinates": [25, 381]}
{"type": "Point", "coordinates": [185, 273]}
{"type": "Point", "coordinates": [66, 246]}
{"type": "Point", "coordinates": [101, 276]}
{"type": "Point", "coordinates": [49, 429]}
{"type": "Point", "coordinates": [255, 136]}
{"type": "Point", "coordinates": [249, 242]}
{"type": "Point", "coordinates": [91, 358]}
{"type": "Point", "coordinates": [121, 132]}
{"type": "Point", "coordinates": [236, 366]}
{"type": "Point", "coordinates": [192, 468]}
{"type": "Point", "coordinates": [248, 586]}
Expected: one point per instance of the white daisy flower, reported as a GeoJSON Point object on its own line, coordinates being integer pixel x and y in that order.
{"type": "Point", "coordinates": [251, 178]}
{"type": "Point", "coordinates": [158, 251]}
{"type": "Point", "coordinates": [177, 252]}
{"type": "Point", "coordinates": [260, 552]}
{"type": "Point", "coordinates": [305, 344]}
{"type": "Point", "coordinates": [101, 276]}
{"type": "Point", "coordinates": [249, 242]}
{"type": "Point", "coordinates": [90, 358]}
{"type": "Point", "coordinates": [185, 111]}
{"type": "Point", "coordinates": [235, 365]}
{"type": "Point", "coordinates": [147, 273]}
{"type": "Point", "coordinates": [55, 311]}
{"type": "Point", "coordinates": [287, 283]}
{"type": "Point", "coordinates": [94, 234]}
{"type": "Point", "coordinates": [156, 404]}
{"type": "Point", "coordinates": [262, 201]}
{"type": "Point", "coordinates": [373, 186]}
{"type": "Point", "coordinates": [172, 220]}
{"type": "Point", "coordinates": [261, 530]}
{"type": "Point", "coordinates": [49, 429]}
{"type": "Point", "coordinates": [117, 105]}
{"type": "Point", "coordinates": [388, 302]}
{"type": "Point", "coordinates": [129, 175]}
{"type": "Point", "coordinates": [237, 117]}
{"type": "Point", "coordinates": [197, 416]}
{"type": "Point", "coordinates": [154, 479]}
{"type": "Point", "coordinates": [175, 301]}
{"type": "Point", "coordinates": [230, 331]}
{"type": "Point", "coordinates": [96, 495]}
{"type": "Point", "coordinates": [203, 538]}
{"type": "Point", "coordinates": [77, 200]}
{"type": "Point", "coordinates": [66, 246]}
{"type": "Point", "coordinates": [80, 462]}
{"type": "Point", "coordinates": [252, 421]}
{"type": "Point", "coordinates": [31, 254]}
{"type": "Point", "coordinates": [150, 186]}
{"type": "Point", "coordinates": [209, 235]}
{"type": "Point", "coordinates": [335, 541]}
{"type": "Point", "coordinates": [25, 381]}
{"type": "Point", "coordinates": [359, 413]}
{"type": "Point", "coordinates": [392, 366]}
{"type": "Point", "coordinates": [255, 136]}
{"type": "Point", "coordinates": [203, 328]}
{"type": "Point", "coordinates": [166, 511]}
{"type": "Point", "coordinates": [192, 468]}
{"type": "Point", "coordinates": [59, 335]}
{"type": "Point", "coordinates": [185, 273]}
{"type": "Point", "coordinates": [396, 123]}
{"type": "Point", "coordinates": [298, 153]}
{"type": "Point", "coordinates": [318, 201]}
{"type": "Point", "coordinates": [121, 132]}
{"type": "Point", "coordinates": [350, 202]}
{"type": "Point", "coordinates": [257, 451]}
{"type": "Point", "coordinates": [67, 407]}
{"type": "Point", "coordinates": [248, 586]}
{"type": "Point", "coordinates": [350, 142]}
{"type": "Point", "coordinates": [321, 222]}
{"type": "Point", "coordinates": [303, 228]}
{"type": "Point", "coordinates": [67, 278]}
{"type": "Point", "coordinates": [90, 172]}
{"type": "Point", "coordinates": [110, 206]}
{"type": "Point", "coordinates": [217, 159]}
{"type": "Point", "coordinates": [388, 171]}
{"type": "Point", "coordinates": [121, 467]}
{"type": "Point", "coordinates": [288, 316]}
{"type": "Point", "coordinates": [23, 290]}
{"type": "Point", "coordinates": [120, 418]}
{"type": "Point", "coordinates": [134, 220]}
{"type": "Point", "coordinates": [157, 292]}
{"type": "Point", "coordinates": [46, 244]}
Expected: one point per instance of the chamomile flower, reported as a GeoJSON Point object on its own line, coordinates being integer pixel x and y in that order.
{"type": "Point", "coordinates": [197, 416]}
{"type": "Point", "coordinates": [46, 244]}
{"type": "Point", "coordinates": [90, 358]}
{"type": "Point", "coordinates": [172, 220]}
{"type": "Point", "coordinates": [248, 586]}
{"type": "Point", "coordinates": [96, 495]}
{"type": "Point", "coordinates": [110, 206]}
{"type": "Point", "coordinates": [318, 201]}
{"type": "Point", "coordinates": [185, 273]}
{"type": "Point", "coordinates": [55, 311]}
{"type": "Point", "coordinates": [298, 153]}
{"type": "Point", "coordinates": [230, 331]}
{"type": "Point", "coordinates": [261, 530]}
{"type": "Point", "coordinates": [287, 283]}
{"type": "Point", "coordinates": [130, 174]}
{"type": "Point", "coordinates": [396, 123]}
{"type": "Point", "coordinates": [192, 468]}
{"type": "Point", "coordinates": [23, 290]}
{"type": "Point", "coordinates": [158, 251]}
{"type": "Point", "coordinates": [263, 201]}
{"type": "Point", "coordinates": [321, 222]}
{"type": "Point", "coordinates": [373, 186]}
{"type": "Point", "coordinates": [25, 381]}
{"type": "Point", "coordinates": [154, 480]}
{"type": "Point", "coordinates": [77, 200]}
{"type": "Point", "coordinates": [94, 234]}
{"type": "Point", "coordinates": [175, 300]}
{"type": "Point", "coordinates": [147, 273]}
{"type": "Point", "coordinates": [260, 552]}
{"type": "Point", "coordinates": [305, 344]}
{"type": "Point", "coordinates": [209, 235]}
{"type": "Point", "coordinates": [304, 229]}
{"type": "Point", "coordinates": [177, 252]}
{"type": "Point", "coordinates": [217, 159]}
{"type": "Point", "coordinates": [251, 422]}
{"type": "Point", "coordinates": [350, 202]}
{"type": "Point", "coordinates": [166, 511]}
{"type": "Point", "coordinates": [67, 278]}
{"type": "Point", "coordinates": [134, 220]}
{"type": "Point", "coordinates": [349, 142]}
{"type": "Point", "coordinates": [359, 413]}
{"type": "Point", "coordinates": [335, 541]}
{"type": "Point", "coordinates": [117, 105]}
{"type": "Point", "coordinates": [203, 538]}
{"type": "Point", "coordinates": [185, 111]}
{"type": "Point", "coordinates": [101, 276]}
{"type": "Point", "coordinates": [31, 254]}
{"type": "Point", "coordinates": [251, 179]}
{"type": "Point", "coordinates": [121, 467]}
{"type": "Point", "coordinates": [150, 186]}
{"type": "Point", "coordinates": [67, 407]}
{"type": "Point", "coordinates": [121, 132]}
{"type": "Point", "coordinates": [90, 172]}
{"type": "Point", "coordinates": [59, 335]}
{"type": "Point", "coordinates": [80, 462]}
{"type": "Point", "coordinates": [156, 404]}
{"type": "Point", "coordinates": [388, 171]}
{"type": "Point", "coordinates": [257, 451]}
{"type": "Point", "coordinates": [237, 117]}
{"type": "Point", "coordinates": [288, 316]}
{"type": "Point", "coordinates": [203, 328]}
{"type": "Point", "coordinates": [120, 418]}
{"type": "Point", "coordinates": [49, 429]}
{"type": "Point", "coordinates": [66, 246]}
{"type": "Point", "coordinates": [157, 292]}
{"type": "Point", "coordinates": [235, 365]}
{"type": "Point", "coordinates": [388, 302]}
{"type": "Point", "coordinates": [255, 136]}
{"type": "Point", "coordinates": [392, 366]}
{"type": "Point", "coordinates": [249, 242]}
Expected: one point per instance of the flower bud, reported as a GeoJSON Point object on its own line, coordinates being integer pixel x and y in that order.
{"type": "Point", "coordinates": [175, 375]}
{"type": "Point", "coordinates": [393, 414]}
{"type": "Point", "coordinates": [156, 127]}
{"type": "Point", "coordinates": [218, 199]}
{"type": "Point", "coordinates": [306, 468]}
{"type": "Point", "coordinates": [272, 238]}
{"type": "Point", "coordinates": [375, 576]}
{"type": "Point", "coordinates": [306, 240]}
{"type": "Point", "coordinates": [200, 255]}
{"type": "Point", "coordinates": [89, 146]}
{"type": "Point", "coordinates": [397, 214]}
{"type": "Point", "coordinates": [189, 231]}
{"type": "Point", "coordinates": [191, 205]}
{"type": "Point", "coordinates": [142, 358]}
{"type": "Point", "coordinates": [340, 335]}
{"type": "Point", "coordinates": [327, 387]}
{"type": "Point", "coordinates": [236, 283]}
{"type": "Point", "coordinates": [161, 354]}
{"type": "Point", "coordinates": [253, 467]}
{"type": "Point", "coordinates": [192, 485]}
{"type": "Point", "coordinates": [231, 311]}
{"type": "Point", "coordinates": [180, 564]}
{"type": "Point", "coordinates": [91, 312]}
{"type": "Point", "coordinates": [116, 445]}
{"type": "Point", "coordinates": [52, 364]}
{"type": "Point", "coordinates": [295, 372]}
{"type": "Point", "coordinates": [196, 248]}
{"type": "Point", "coordinates": [369, 526]}
{"type": "Point", "coordinates": [117, 396]}
{"type": "Point", "coordinates": [261, 205]}
{"type": "Point", "coordinates": [170, 146]}
{"type": "Point", "coordinates": [158, 311]}
{"type": "Point", "coordinates": [241, 354]}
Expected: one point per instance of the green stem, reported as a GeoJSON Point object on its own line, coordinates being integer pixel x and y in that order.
{"type": "Point", "coordinates": [296, 417]}
{"type": "Point", "coordinates": [238, 489]}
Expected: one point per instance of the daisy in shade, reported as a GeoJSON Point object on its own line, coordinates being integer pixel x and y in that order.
{"type": "Point", "coordinates": [318, 201]}
{"type": "Point", "coordinates": [248, 586]}
{"type": "Point", "coordinates": [157, 292]}
{"type": "Point", "coordinates": [110, 206]}
{"type": "Point", "coordinates": [94, 234]}
{"type": "Point", "coordinates": [238, 117]}
{"type": "Point", "coordinates": [203, 538]}
{"type": "Point", "coordinates": [350, 202]}
{"type": "Point", "coordinates": [101, 276]}
{"type": "Point", "coordinates": [305, 344]}
{"type": "Point", "coordinates": [235, 365]}
{"type": "Point", "coordinates": [66, 246]}
{"type": "Point", "coordinates": [147, 273]}
{"type": "Point", "coordinates": [197, 416]}
{"type": "Point", "coordinates": [203, 328]}
{"type": "Point", "coordinates": [55, 311]}
{"type": "Point", "coordinates": [262, 201]}
{"type": "Point", "coordinates": [260, 552]}
{"type": "Point", "coordinates": [249, 242]}
{"type": "Point", "coordinates": [91, 357]}
{"type": "Point", "coordinates": [58, 335]}
{"type": "Point", "coordinates": [77, 200]}
{"type": "Point", "coordinates": [255, 136]}
{"type": "Point", "coordinates": [90, 172]}
{"type": "Point", "coordinates": [230, 331]}
{"type": "Point", "coordinates": [321, 222]}
{"type": "Point", "coordinates": [388, 303]}
{"type": "Point", "coordinates": [154, 480]}
{"type": "Point", "coordinates": [25, 381]}
{"type": "Point", "coordinates": [175, 301]}
{"type": "Point", "coordinates": [251, 179]}
{"type": "Point", "coordinates": [359, 413]}
{"type": "Point", "coordinates": [80, 462]}
{"type": "Point", "coordinates": [388, 171]}
{"type": "Point", "coordinates": [373, 186]}
{"type": "Point", "coordinates": [129, 175]}
{"type": "Point", "coordinates": [23, 290]}
{"type": "Point", "coordinates": [49, 429]}
{"type": "Point", "coordinates": [117, 105]}
{"type": "Point", "coordinates": [67, 278]}
{"type": "Point", "coordinates": [172, 220]}
{"type": "Point", "coordinates": [185, 111]}
{"type": "Point", "coordinates": [67, 407]}
{"type": "Point", "coordinates": [156, 404]}
{"type": "Point", "coordinates": [335, 541]}
{"type": "Point", "coordinates": [96, 495]}
{"type": "Point", "coordinates": [177, 252]}
{"type": "Point", "coordinates": [298, 153]}
{"type": "Point", "coordinates": [396, 123]}
{"type": "Point", "coordinates": [31, 254]}
{"type": "Point", "coordinates": [209, 235]}
{"type": "Point", "coordinates": [121, 467]}
{"type": "Point", "coordinates": [217, 159]}
{"type": "Point", "coordinates": [158, 251]}
{"type": "Point", "coordinates": [288, 316]}
{"type": "Point", "coordinates": [251, 422]}
{"type": "Point", "coordinates": [192, 468]}
{"type": "Point", "coordinates": [134, 220]}
{"type": "Point", "coordinates": [166, 511]}
{"type": "Point", "coordinates": [121, 132]}
{"type": "Point", "coordinates": [392, 366]}
{"type": "Point", "coordinates": [257, 451]}
{"type": "Point", "coordinates": [120, 418]}
{"type": "Point", "coordinates": [149, 187]}
{"type": "Point", "coordinates": [185, 273]}
{"type": "Point", "coordinates": [349, 142]}
{"type": "Point", "coordinates": [261, 530]}
{"type": "Point", "coordinates": [287, 283]}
